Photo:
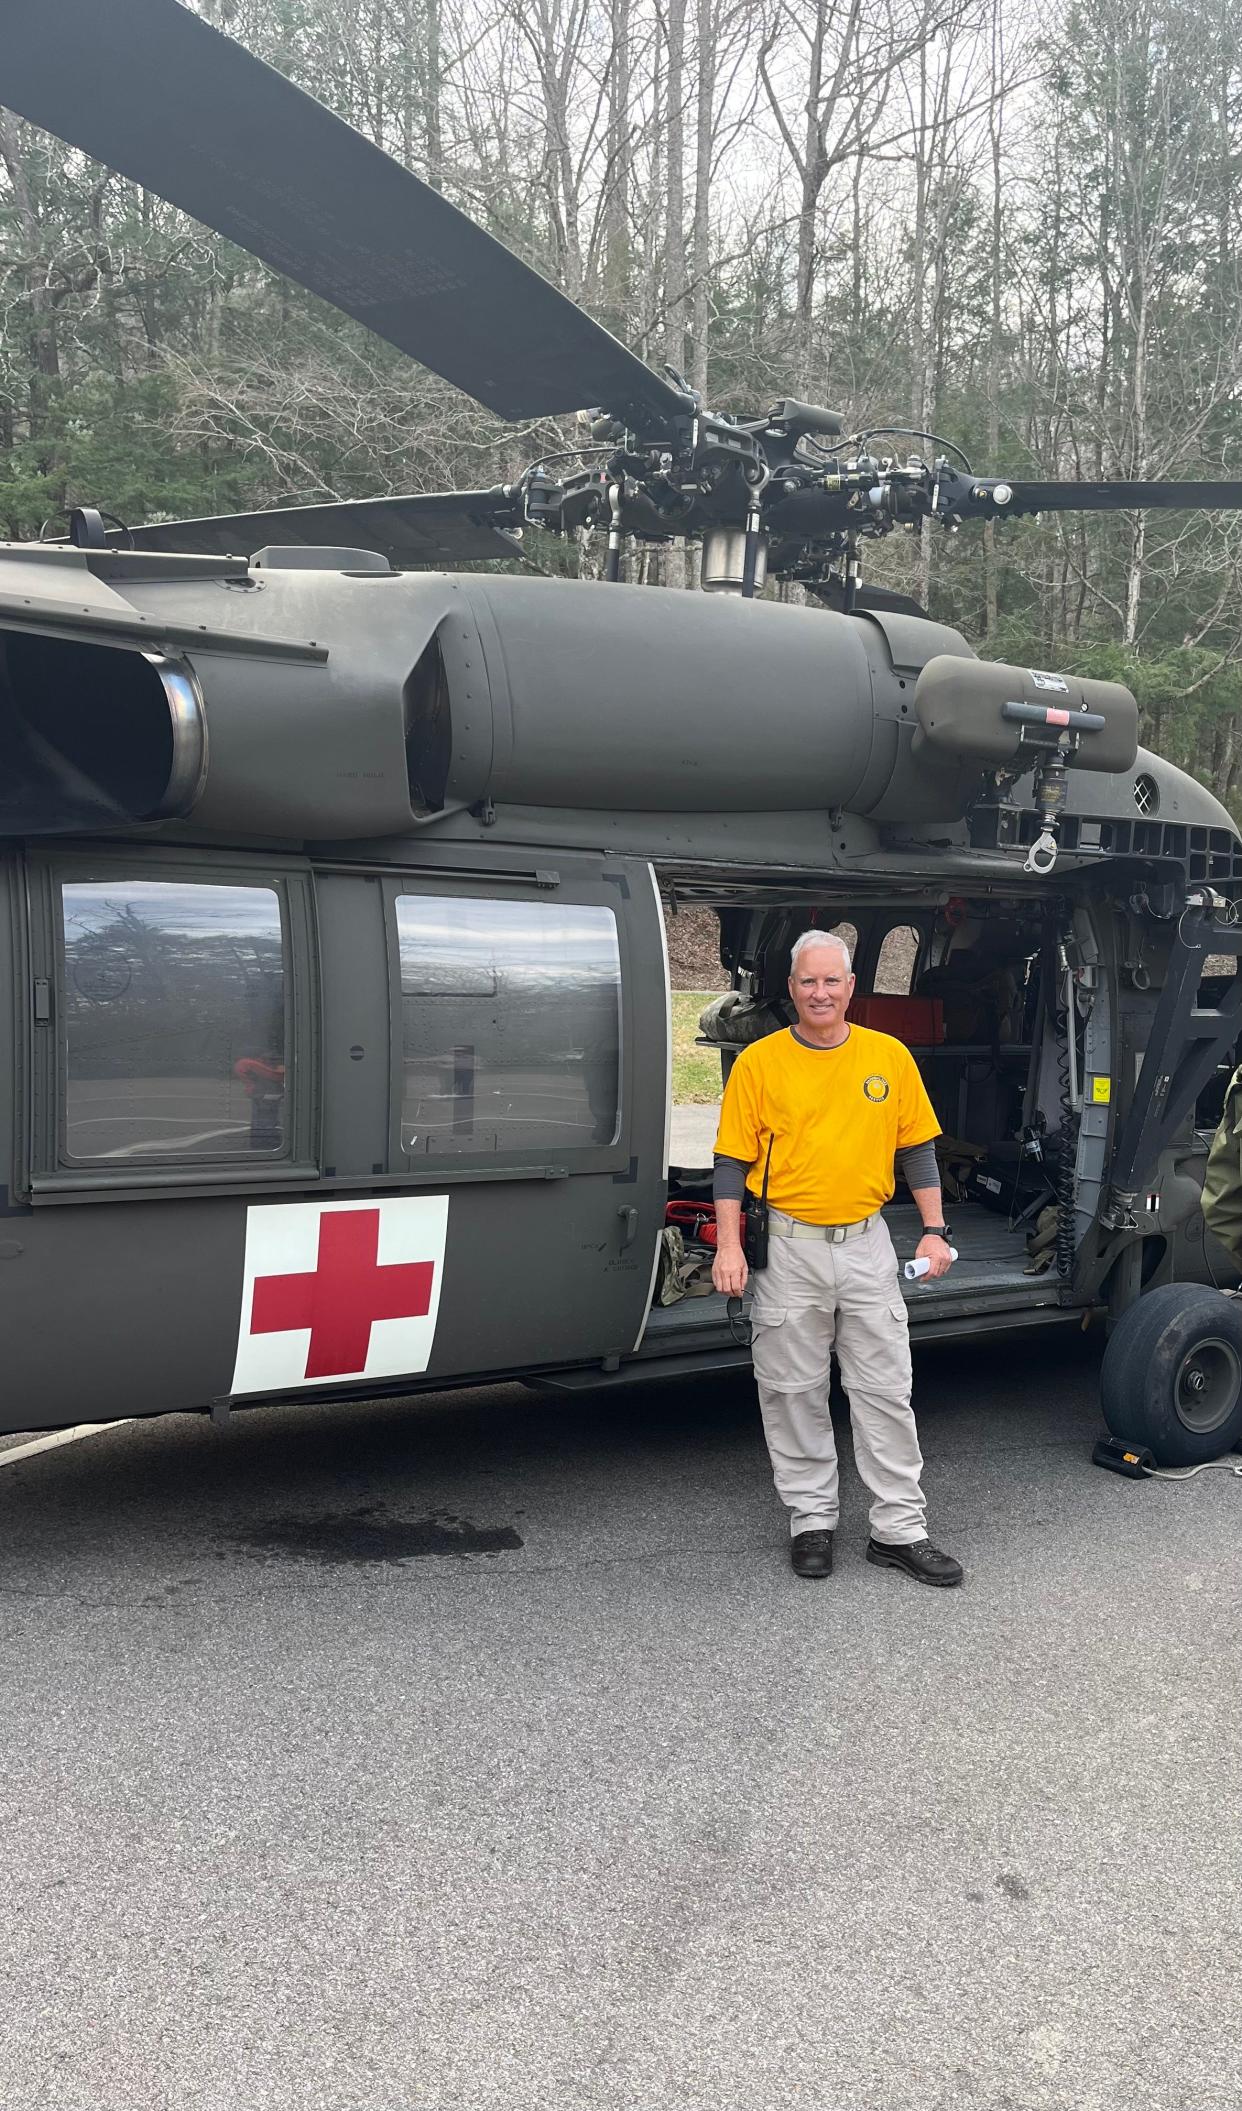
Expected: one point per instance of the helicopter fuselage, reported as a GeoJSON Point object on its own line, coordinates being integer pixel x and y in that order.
{"type": "Point", "coordinates": [333, 950]}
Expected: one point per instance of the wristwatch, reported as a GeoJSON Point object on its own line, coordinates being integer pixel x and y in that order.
{"type": "Point", "coordinates": [936, 1231]}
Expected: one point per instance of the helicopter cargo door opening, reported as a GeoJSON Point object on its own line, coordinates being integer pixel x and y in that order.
{"type": "Point", "coordinates": [962, 990]}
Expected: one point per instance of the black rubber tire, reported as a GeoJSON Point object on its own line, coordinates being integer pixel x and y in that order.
{"type": "Point", "coordinates": [1171, 1379]}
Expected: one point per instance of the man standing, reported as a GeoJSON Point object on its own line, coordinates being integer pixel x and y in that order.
{"type": "Point", "coordinates": [827, 1109]}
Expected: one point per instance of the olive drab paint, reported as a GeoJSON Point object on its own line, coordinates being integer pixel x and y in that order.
{"type": "Point", "coordinates": [350, 1071]}
{"type": "Point", "coordinates": [332, 895]}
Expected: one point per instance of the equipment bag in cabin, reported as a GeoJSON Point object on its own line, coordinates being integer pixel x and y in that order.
{"type": "Point", "coordinates": [735, 1019]}
{"type": "Point", "coordinates": [694, 1220]}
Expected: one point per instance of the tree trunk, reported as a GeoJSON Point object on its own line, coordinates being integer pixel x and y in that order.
{"type": "Point", "coordinates": [676, 565]}
{"type": "Point", "coordinates": [433, 133]}
{"type": "Point", "coordinates": [675, 188]}
{"type": "Point", "coordinates": [704, 142]}
{"type": "Point", "coordinates": [1223, 750]}
{"type": "Point", "coordinates": [991, 569]}
{"type": "Point", "coordinates": [813, 174]}
{"type": "Point", "coordinates": [44, 371]}
{"type": "Point", "coordinates": [617, 174]}
{"type": "Point", "coordinates": [920, 335]}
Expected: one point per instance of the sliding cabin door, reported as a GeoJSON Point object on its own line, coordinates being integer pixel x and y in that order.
{"type": "Point", "coordinates": [521, 1093]}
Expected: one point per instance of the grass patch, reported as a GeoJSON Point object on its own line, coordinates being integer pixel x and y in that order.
{"type": "Point", "coordinates": [696, 1071]}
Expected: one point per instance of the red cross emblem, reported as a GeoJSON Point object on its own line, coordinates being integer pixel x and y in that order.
{"type": "Point", "coordinates": [344, 1295]}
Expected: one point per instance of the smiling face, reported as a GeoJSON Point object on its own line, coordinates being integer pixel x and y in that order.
{"type": "Point", "coordinates": [821, 990]}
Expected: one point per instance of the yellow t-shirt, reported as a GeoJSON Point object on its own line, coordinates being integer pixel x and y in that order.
{"type": "Point", "coordinates": [837, 1117]}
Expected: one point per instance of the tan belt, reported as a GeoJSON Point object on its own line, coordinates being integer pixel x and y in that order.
{"type": "Point", "coordinates": [783, 1227]}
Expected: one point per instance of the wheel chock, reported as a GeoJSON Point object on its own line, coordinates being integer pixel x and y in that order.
{"type": "Point", "coordinates": [1131, 1459]}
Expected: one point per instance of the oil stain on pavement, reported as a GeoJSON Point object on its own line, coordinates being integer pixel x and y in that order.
{"type": "Point", "coordinates": [370, 1535]}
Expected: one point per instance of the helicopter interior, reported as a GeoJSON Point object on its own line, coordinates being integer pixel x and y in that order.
{"type": "Point", "coordinates": [962, 985]}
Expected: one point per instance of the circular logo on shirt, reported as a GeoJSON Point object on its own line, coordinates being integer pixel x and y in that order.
{"type": "Point", "coordinates": [876, 1088]}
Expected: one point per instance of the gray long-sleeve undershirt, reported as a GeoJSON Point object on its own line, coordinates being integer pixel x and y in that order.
{"type": "Point", "coordinates": [916, 1164]}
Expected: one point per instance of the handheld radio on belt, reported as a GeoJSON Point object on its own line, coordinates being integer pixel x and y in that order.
{"type": "Point", "coordinates": [755, 1222]}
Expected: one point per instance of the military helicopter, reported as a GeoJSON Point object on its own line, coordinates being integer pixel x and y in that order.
{"type": "Point", "coordinates": [335, 878]}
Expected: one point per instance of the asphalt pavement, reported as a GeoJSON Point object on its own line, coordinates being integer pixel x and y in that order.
{"type": "Point", "coordinates": [483, 1751]}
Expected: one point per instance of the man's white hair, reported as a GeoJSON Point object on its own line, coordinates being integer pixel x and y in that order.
{"type": "Point", "coordinates": [817, 938]}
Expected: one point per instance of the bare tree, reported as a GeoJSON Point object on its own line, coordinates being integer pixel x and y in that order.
{"type": "Point", "coordinates": [836, 61]}
{"type": "Point", "coordinates": [856, 200]}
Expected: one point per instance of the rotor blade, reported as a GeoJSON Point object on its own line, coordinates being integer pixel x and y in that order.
{"type": "Point", "coordinates": [436, 529]}
{"type": "Point", "coordinates": [150, 90]}
{"type": "Point", "coordinates": [1067, 496]}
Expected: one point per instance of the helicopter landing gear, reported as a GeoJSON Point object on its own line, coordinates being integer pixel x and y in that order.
{"type": "Point", "coordinates": [1171, 1380]}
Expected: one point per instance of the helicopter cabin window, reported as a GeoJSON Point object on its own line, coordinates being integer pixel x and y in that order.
{"type": "Point", "coordinates": [849, 932]}
{"type": "Point", "coordinates": [511, 1025]}
{"type": "Point", "coordinates": [894, 968]}
{"type": "Point", "coordinates": [173, 1011]}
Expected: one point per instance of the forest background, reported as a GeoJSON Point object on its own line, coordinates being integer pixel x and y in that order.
{"type": "Point", "coordinates": [1017, 225]}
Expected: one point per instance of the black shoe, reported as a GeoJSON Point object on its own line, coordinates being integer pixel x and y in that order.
{"type": "Point", "coordinates": [811, 1554]}
{"type": "Point", "coordinates": [923, 1561]}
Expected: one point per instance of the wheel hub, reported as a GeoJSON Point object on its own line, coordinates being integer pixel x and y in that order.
{"type": "Point", "coordinates": [1208, 1382]}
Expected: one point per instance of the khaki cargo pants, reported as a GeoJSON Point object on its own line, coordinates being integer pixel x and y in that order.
{"type": "Point", "coordinates": [814, 1296]}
